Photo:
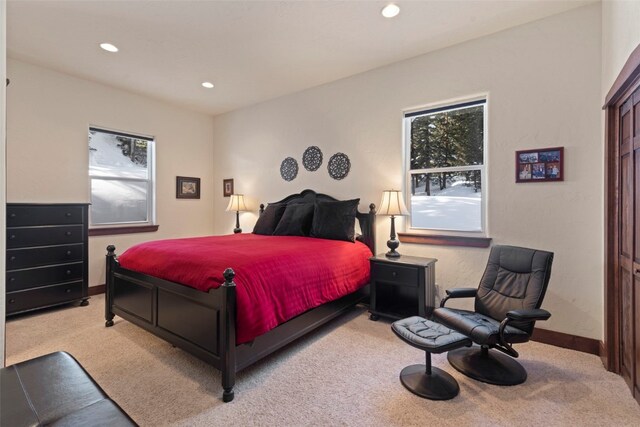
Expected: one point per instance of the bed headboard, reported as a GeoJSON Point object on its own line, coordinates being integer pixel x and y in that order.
{"type": "Point", "coordinates": [367, 220]}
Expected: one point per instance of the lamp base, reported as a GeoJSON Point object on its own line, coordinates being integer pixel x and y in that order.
{"type": "Point", "coordinates": [237, 229]}
{"type": "Point", "coordinates": [393, 254]}
{"type": "Point", "coordinates": [393, 244]}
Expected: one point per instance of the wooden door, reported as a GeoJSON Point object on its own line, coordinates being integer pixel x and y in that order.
{"type": "Point", "coordinates": [621, 347]}
{"type": "Point", "coordinates": [629, 240]}
{"type": "Point", "coordinates": [634, 312]}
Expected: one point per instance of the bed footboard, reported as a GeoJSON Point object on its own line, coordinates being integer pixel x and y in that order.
{"type": "Point", "coordinates": [159, 306]}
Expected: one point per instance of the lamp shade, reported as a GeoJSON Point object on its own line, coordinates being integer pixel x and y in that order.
{"type": "Point", "coordinates": [392, 203]}
{"type": "Point", "coordinates": [236, 203]}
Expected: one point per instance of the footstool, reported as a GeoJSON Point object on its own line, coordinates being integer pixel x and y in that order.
{"type": "Point", "coordinates": [431, 337]}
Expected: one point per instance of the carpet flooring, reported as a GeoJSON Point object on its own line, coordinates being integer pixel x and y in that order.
{"type": "Point", "coordinates": [346, 373]}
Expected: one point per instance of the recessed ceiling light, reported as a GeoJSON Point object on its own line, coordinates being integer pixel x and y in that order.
{"type": "Point", "coordinates": [390, 10]}
{"type": "Point", "coordinates": [108, 47]}
{"type": "Point", "coordinates": [208, 85]}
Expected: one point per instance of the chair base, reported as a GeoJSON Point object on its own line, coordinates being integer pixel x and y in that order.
{"type": "Point", "coordinates": [490, 367]}
{"type": "Point", "coordinates": [437, 386]}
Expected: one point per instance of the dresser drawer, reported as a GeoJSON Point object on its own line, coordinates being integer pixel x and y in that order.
{"type": "Point", "coordinates": [18, 216]}
{"type": "Point", "coordinates": [35, 257]}
{"type": "Point", "coordinates": [44, 236]}
{"type": "Point", "coordinates": [18, 280]}
{"type": "Point", "coordinates": [397, 274]}
{"type": "Point", "coordinates": [42, 297]}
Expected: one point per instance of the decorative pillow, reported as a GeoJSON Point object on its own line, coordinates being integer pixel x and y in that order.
{"type": "Point", "coordinates": [335, 220]}
{"type": "Point", "coordinates": [296, 220]}
{"type": "Point", "coordinates": [269, 219]}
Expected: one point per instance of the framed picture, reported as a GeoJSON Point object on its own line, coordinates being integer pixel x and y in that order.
{"type": "Point", "coordinates": [187, 187]}
{"type": "Point", "coordinates": [544, 164]}
{"type": "Point", "coordinates": [227, 187]}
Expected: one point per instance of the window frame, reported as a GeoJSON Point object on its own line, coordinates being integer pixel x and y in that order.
{"type": "Point", "coordinates": [129, 226]}
{"type": "Point", "coordinates": [448, 105]}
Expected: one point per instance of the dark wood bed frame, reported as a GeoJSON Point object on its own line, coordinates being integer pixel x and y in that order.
{"type": "Point", "coordinates": [204, 323]}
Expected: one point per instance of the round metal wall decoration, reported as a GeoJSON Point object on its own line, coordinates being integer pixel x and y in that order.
{"type": "Point", "coordinates": [289, 169]}
{"type": "Point", "coordinates": [339, 166]}
{"type": "Point", "coordinates": [312, 158]}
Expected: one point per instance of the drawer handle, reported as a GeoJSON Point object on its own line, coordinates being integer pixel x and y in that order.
{"type": "Point", "coordinates": [68, 272]}
{"type": "Point", "coordinates": [68, 233]}
{"type": "Point", "coordinates": [13, 258]}
{"type": "Point", "coordinates": [11, 301]}
{"type": "Point", "coordinates": [68, 214]}
{"type": "Point", "coordinates": [12, 215]}
{"type": "Point", "coordinates": [394, 274]}
{"type": "Point", "coordinates": [68, 290]}
{"type": "Point", "coordinates": [13, 236]}
{"type": "Point", "coordinates": [12, 279]}
{"type": "Point", "coordinates": [68, 253]}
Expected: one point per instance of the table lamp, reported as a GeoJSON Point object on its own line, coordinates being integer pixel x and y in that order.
{"type": "Point", "coordinates": [236, 203]}
{"type": "Point", "coordinates": [392, 204]}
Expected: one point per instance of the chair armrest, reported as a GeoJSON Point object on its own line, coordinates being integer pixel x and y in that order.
{"type": "Point", "coordinates": [518, 316]}
{"type": "Point", "coordinates": [462, 292]}
{"type": "Point", "coordinates": [459, 293]}
{"type": "Point", "coordinates": [528, 315]}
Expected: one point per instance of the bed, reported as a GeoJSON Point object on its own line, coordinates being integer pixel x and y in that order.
{"type": "Point", "coordinates": [209, 313]}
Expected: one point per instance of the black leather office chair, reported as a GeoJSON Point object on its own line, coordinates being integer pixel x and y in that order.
{"type": "Point", "coordinates": [507, 304]}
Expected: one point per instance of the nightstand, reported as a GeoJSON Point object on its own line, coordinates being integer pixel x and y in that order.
{"type": "Point", "coordinates": [402, 287]}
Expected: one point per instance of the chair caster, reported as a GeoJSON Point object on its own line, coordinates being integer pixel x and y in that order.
{"type": "Point", "coordinates": [374, 317]}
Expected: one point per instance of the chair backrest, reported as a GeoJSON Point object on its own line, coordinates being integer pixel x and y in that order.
{"type": "Point", "coordinates": [515, 278]}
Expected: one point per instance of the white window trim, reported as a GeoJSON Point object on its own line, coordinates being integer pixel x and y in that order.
{"type": "Point", "coordinates": [407, 171]}
{"type": "Point", "coordinates": [151, 200]}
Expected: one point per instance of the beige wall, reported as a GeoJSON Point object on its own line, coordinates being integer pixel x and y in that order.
{"type": "Point", "coordinates": [620, 36]}
{"type": "Point", "coordinates": [47, 149]}
{"type": "Point", "coordinates": [543, 81]}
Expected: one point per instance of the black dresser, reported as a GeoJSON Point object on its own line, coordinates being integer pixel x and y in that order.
{"type": "Point", "coordinates": [47, 252]}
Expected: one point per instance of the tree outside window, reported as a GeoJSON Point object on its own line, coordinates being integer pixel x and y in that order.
{"type": "Point", "coordinates": [446, 167]}
{"type": "Point", "coordinates": [121, 175]}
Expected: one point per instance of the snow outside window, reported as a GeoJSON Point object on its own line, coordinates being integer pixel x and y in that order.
{"type": "Point", "coordinates": [121, 174]}
{"type": "Point", "coordinates": [445, 167]}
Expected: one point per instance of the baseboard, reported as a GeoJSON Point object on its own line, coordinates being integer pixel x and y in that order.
{"type": "Point", "coordinates": [96, 290]}
{"type": "Point", "coordinates": [603, 355]}
{"type": "Point", "coordinates": [572, 342]}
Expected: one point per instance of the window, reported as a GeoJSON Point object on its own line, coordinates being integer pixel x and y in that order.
{"type": "Point", "coordinates": [445, 167]}
{"type": "Point", "coordinates": [122, 178]}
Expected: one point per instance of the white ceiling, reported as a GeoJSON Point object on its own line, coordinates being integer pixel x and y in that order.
{"type": "Point", "coordinates": [251, 50]}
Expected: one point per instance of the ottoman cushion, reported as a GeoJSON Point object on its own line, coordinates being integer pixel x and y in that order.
{"type": "Point", "coordinates": [429, 336]}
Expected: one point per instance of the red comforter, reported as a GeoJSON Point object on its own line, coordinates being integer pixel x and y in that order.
{"type": "Point", "coordinates": [277, 277]}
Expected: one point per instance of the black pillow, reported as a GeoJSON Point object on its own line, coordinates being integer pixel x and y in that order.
{"type": "Point", "coordinates": [335, 220]}
{"type": "Point", "coordinates": [296, 220]}
{"type": "Point", "coordinates": [269, 219]}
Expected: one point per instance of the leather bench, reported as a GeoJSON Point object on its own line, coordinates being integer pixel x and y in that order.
{"type": "Point", "coordinates": [55, 390]}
